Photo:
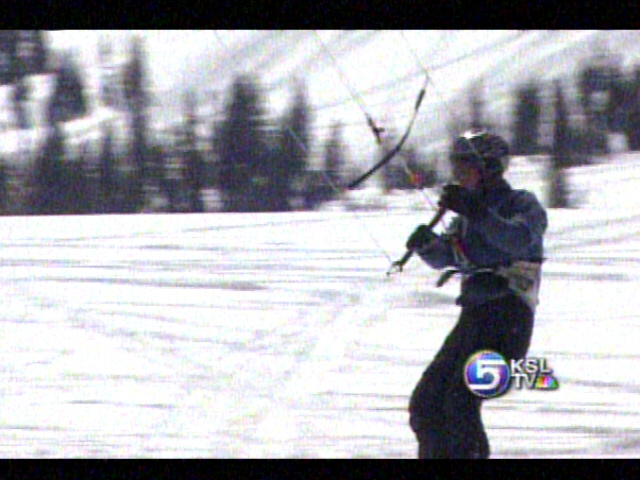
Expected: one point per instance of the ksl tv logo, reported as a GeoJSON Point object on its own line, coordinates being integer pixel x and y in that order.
{"type": "Point", "coordinates": [487, 374]}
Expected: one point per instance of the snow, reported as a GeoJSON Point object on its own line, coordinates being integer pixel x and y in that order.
{"type": "Point", "coordinates": [280, 336]}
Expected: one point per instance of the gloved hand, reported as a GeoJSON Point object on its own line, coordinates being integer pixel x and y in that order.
{"type": "Point", "coordinates": [463, 201]}
{"type": "Point", "coordinates": [420, 238]}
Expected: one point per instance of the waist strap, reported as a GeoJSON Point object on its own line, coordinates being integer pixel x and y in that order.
{"type": "Point", "coordinates": [523, 278]}
{"type": "Point", "coordinates": [450, 272]}
{"type": "Point", "coordinates": [522, 274]}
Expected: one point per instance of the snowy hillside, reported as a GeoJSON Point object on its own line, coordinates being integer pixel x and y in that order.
{"type": "Point", "coordinates": [347, 73]}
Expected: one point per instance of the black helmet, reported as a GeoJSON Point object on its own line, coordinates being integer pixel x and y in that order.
{"type": "Point", "coordinates": [485, 150]}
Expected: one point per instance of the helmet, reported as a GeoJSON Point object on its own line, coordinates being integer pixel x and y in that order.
{"type": "Point", "coordinates": [485, 150]}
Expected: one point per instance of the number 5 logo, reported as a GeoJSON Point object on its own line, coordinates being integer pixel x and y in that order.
{"type": "Point", "coordinates": [491, 367]}
{"type": "Point", "coordinates": [486, 374]}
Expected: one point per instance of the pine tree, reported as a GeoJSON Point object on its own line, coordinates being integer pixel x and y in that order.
{"type": "Point", "coordinates": [19, 97]}
{"type": "Point", "coordinates": [321, 185]}
{"type": "Point", "coordinates": [107, 174]}
{"type": "Point", "coordinates": [275, 190]}
{"type": "Point", "coordinates": [293, 149]}
{"type": "Point", "coordinates": [334, 156]}
{"type": "Point", "coordinates": [135, 77]}
{"type": "Point", "coordinates": [560, 156]}
{"type": "Point", "coordinates": [633, 112]}
{"type": "Point", "coordinates": [68, 101]}
{"type": "Point", "coordinates": [392, 172]}
{"type": "Point", "coordinates": [136, 96]}
{"type": "Point", "coordinates": [194, 166]}
{"type": "Point", "coordinates": [60, 185]}
{"type": "Point", "coordinates": [74, 188]}
{"type": "Point", "coordinates": [593, 79]}
{"type": "Point", "coordinates": [8, 43]}
{"type": "Point", "coordinates": [49, 188]}
{"type": "Point", "coordinates": [527, 119]}
{"type": "Point", "coordinates": [22, 52]}
{"type": "Point", "coordinates": [616, 114]}
{"type": "Point", "coordinates": [242, 148]}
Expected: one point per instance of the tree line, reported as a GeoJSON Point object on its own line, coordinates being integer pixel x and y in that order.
{"type": "Point", "coordinates": [608, 102]}
{"type": "Point", "coordinates": [258, 163]}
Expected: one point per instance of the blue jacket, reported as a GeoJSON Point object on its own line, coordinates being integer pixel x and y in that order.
{"type": "Point", "coordinates": [498, 254]}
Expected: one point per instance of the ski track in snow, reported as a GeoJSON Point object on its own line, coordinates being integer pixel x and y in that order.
{"type": "Point", "coordinates": [279, 336]}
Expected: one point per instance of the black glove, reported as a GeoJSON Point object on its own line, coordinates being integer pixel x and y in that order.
{"type": "Point", "coordinates": [421, 237]}
{"type": "Point", "coordinates": [463, 201]}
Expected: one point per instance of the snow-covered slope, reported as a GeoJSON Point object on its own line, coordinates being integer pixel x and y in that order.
{"type": "Point", "coordinates": [279, 335]}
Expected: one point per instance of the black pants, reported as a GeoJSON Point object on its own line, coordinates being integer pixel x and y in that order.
{"type": "Point", "coordinates": [444, 414]}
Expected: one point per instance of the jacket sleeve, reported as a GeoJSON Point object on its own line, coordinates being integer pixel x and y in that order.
{"type": "Point", "coordinates": [438, 254]}
{"type": "Point", "coordinates": [525, 227]}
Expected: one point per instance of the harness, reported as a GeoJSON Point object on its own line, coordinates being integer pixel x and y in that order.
{"type": "Point", "coordinates": [522, 276]}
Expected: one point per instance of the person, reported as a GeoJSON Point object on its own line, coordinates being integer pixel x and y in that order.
{"type": "Point", "coordinates": [496, 244]}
